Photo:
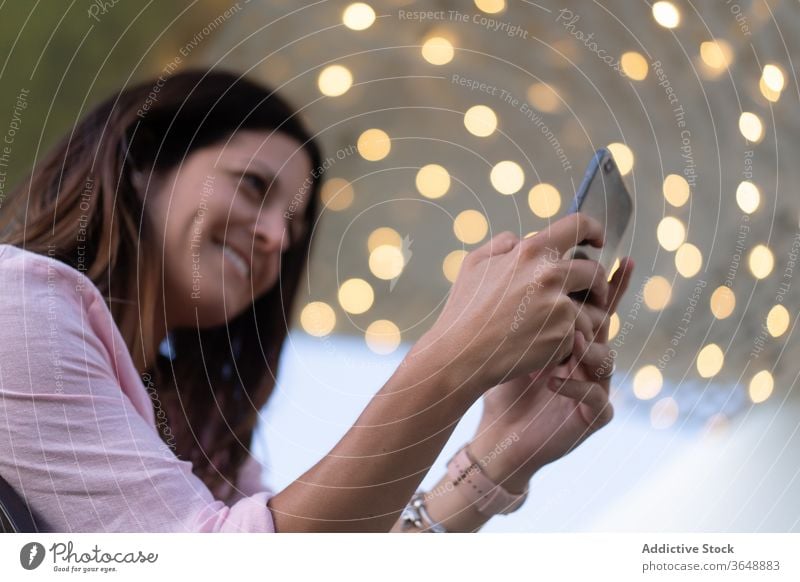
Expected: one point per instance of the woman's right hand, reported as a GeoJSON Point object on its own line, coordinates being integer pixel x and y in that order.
{"type": "Point", "coordinates": [509, 312]}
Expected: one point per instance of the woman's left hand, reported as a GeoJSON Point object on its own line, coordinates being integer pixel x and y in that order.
{"type": "Point", "coordinates": [538, 418]}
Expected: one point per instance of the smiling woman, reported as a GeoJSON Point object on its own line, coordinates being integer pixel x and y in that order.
{"type": "Point", "coordinates": [162, 213]}
{"type": "Point", "coordinates": [237, 225]}
{"type": "Point", "coordinates": [190, 224]}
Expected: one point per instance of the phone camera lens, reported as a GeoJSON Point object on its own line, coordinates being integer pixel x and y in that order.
{"type": "Point", "coordinates": [608, 166]}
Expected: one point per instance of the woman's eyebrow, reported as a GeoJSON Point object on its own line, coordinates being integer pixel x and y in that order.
{"type": "Point", "coordinates": [273, 180]}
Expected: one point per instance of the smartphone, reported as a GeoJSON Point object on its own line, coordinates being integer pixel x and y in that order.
{"type": "Point", "coordinates": [603, 196]}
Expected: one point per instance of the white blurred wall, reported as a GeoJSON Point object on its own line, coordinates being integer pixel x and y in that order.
{"type": "Point", "coordinates": [629, 477]}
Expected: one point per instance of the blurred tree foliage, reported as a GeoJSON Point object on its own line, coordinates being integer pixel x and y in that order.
{"type": "Point", "coordinates": [69, 55]}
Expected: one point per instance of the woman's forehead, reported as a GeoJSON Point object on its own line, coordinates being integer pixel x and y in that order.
{"type": "Point", "coordinates": [265, 143]}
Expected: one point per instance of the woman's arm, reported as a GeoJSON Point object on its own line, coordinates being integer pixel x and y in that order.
{"type": "Point", "coordinates": [249, 482]}
{"type": "Point", "coordinates": [486, 332]}
{"type": "Point", "coordinates": [366, 480]}
{"type": "Point", "coordinates": [77, 430]}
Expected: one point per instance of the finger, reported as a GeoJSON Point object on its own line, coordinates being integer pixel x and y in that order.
{"type": "Point", "coordinates": [596, 359]}
{"type": "Point", "coordinates": [595, 316]}
{"type": "Point", "coordinates": [619, 283]}
{"type": "Point", "coordinates": [497, 245]}
{"type": "Point", "coordinates": [583, 325]}
{"type": "Point", "coordinates": [565, 360]}
{"type": "Point", "coordinates": [616, 289]}
{"type": "Point", "coordinates": [572, 348]}
{"type": "Point", "coordinates": [590, 358]}
{"type": "Point", "coordinates": [566, 233]}
{"type": "Point", "coordinates": [581, 274]}
{"type": "Point", "coordinates": [592, 395]}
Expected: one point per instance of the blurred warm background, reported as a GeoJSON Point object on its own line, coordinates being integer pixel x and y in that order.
{"type": "Point", "coordinates": [445, 122]}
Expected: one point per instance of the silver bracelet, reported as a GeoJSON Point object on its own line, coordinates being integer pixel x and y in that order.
{"type": "Point", "coordinates": [416, 514]}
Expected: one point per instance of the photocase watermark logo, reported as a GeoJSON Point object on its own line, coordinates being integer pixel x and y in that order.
{"type": "Point", "coordinates": [31, 555]}
{"type": "Point", "coordinates": [67, 558]}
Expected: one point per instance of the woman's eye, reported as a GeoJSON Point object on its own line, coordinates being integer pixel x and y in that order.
{"type": "Point", "coordinates": [255, 183]}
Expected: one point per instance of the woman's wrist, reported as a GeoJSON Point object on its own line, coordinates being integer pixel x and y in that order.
{"type": "Point", "coordinates": [461, 511]}
{"type": "Point", "coordinates": [433, 358]}
{"type": "Point", "coordinates": [451, 509]}
{"type": "Point", "coordinates": [499, 463]}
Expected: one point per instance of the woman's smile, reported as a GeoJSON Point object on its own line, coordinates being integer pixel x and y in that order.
{"type": "Point", "coordinates": [236, 259]}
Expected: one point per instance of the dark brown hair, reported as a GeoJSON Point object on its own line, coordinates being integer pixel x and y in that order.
{"type": "Point", "coordinates": [81, 205]}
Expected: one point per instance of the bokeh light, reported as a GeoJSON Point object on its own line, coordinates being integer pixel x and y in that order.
{"type": "Point", "coordinates": [317, 319]}
{"type": "Point", "coordinates": [374, 145]}
{"type": "Point", "coordinates": [507, 177]}
{"type": "Point", "coordinates": [751, 127]}
{"type": "Point", "coordinates": [761, 261]}
{"type": "Point", "coordinates": [778, 320]}
{"type": "Point", "coordinates": [480, 120]}
{"type": "Point", "coordinates": [470, 226]}
{"type": "Point", "coordinates": [647, 382]}
{"type": "Point", "coordinates": [452, 264]}
{"type": "Point", "coordinates": [688, 260]}
{"type": "Point", "coordinates": [664, 413]}
{"type": "Point", "coordinates": [358, 16]}
{"type": "Point", "coordinates": [544, 200]}
{"type": "Point", "coordinates": [676, 190]}
{"type": "Point", "coordinates": [337, 194]}
{"type": "Point", "coordinates": [437, 50]}
{"type": "Point", "coordinates": [769, 94]}
{"type": "Point", "coordinates": [657, 293]}
{"type": "Point", "coordinates": [614, 267]}
{"type": "Point", "coordinates": [623, 156]}
{"type": "Point", "coordinates": [710, 361]}
{"type": "Point", "coordinates": [717, 54]}
{"type": "Point", "coordinates": [666, 14]}
{"type": "Point", "coordinates": [723, 302]}
{"type": "Point", "coordinates": [386, 262]}
{"type": "Point", "coordinates": [491, 6]}
{"type": "Point", "coordinates": [356, 296]}
{"type": "Point", "coordinates": [761, 386]}
{"type": "Point", "coordinates": [544, 97]}
{"type": "Point", "coordinates": [335, 80]}
{"type": "Point", "coordinates": [671, 233]}
{"type": "Point", "coordinates": [433, 181]}
{"type": "Point", "coordinates": [773, 77]}
{"type": "Point", "coordinates": [748, 197]}
{"type": "Point", "coordinates": [382, 336]}
{"type": "Point", "coordinates": [383, 236]}
{"type": "Point", "coordinates": [634, 65]}
{"type": "Point", "coordinates": [613, 326]}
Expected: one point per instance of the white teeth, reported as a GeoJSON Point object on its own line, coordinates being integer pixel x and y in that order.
{"type": "Point", "coordinates": [237, 260]}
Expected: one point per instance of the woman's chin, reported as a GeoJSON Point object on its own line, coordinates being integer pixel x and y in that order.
{"type": "Point", "coordinates": [217, 304]}
{"type": "Point", "coordinates": [221, 311]}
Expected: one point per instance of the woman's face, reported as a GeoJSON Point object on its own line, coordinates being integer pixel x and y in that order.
{"type": "Point", "coordinates": [223, 218]}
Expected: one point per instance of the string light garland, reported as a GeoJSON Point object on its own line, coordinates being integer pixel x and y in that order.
{"type": "Point", "coordinates": [433, 181]}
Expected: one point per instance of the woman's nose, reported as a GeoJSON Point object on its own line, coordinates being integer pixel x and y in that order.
{"type": "Point", "coordinates": [270, 232]}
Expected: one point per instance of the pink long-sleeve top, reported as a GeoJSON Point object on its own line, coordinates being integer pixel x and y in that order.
{"type": "Point", "coordinates": [78, 437]}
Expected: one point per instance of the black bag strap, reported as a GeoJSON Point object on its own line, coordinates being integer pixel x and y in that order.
{"type": "Point", "coordinates": [15, 515]}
